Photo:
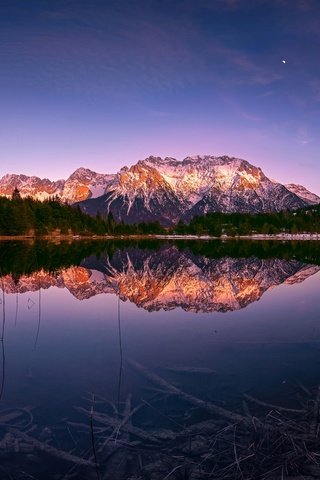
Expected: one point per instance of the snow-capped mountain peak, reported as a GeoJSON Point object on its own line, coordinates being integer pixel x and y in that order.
{"type": "Point", "coordinates": [82, 184]}
{"type": "Point", "coordinates": [166, 189]}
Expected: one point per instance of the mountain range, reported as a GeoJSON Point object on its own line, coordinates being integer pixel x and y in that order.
{"type": "Point", "coordinates": [168, 190]}
{"type": "Point", "coordinates": [168, 278]}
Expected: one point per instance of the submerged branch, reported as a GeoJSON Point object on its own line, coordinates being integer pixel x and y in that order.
{"type": "Point", "coordinates": [208, 406]}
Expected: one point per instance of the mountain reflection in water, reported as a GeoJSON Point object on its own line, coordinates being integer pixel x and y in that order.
{"type": "Point", "coordinates": [168, 278]}
{"type": "Point", "coordinates": [98, 354]}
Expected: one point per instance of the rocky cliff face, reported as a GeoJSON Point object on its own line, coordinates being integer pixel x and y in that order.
{"type": "Point", "coordinates": [303, 193]}
{"type": "Point", "coordinates": [82, 184]}
{"type": "Point", "coordinates": [34, 187]}
{"type": "Point", "coordinates": [169, 279]}
{"type": "Point", "coordinates": [85, 183]}
{"type": "Point", "coordinates": [167, 190]}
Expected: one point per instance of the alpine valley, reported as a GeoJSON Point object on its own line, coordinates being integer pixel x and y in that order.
{"type": "Point", "coordinates": [167, 190]}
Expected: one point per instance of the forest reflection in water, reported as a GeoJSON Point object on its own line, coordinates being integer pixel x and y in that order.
{"type": "Point", "coordinates": [144, 360]}
{"type": "Point", "coordinates": [164, 278]}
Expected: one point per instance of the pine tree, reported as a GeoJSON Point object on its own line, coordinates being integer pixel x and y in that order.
{"type": "Point", "coordinates": [16, 194]}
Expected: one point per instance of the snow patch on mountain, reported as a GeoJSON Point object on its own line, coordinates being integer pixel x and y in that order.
{"type": "Point", "coordinates": [82, 184]}
{"type": "Point", "coordinates": [35, 187]}
{"type": "Point", "coordinates": [168, 190]}
{"type": "Point", "coordinates": [303, 193]}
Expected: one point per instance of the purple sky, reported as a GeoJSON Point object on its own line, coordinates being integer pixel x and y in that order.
{"type": "Point", "coordinates": [102, 84]}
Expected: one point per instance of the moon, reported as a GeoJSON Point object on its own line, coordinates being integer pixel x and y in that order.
{"type": "Point", "coordinates": [284, 61]}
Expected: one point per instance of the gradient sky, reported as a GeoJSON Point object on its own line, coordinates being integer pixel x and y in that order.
{"type": "Point", "coordinates": [102, 84]}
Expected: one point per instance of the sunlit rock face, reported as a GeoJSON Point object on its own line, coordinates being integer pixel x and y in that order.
{"type": "Point", "coordinates": [82, 184]}
{"type": "Point", "coordinates": [168, 190]}
{"type": "Point", "coordinates": [138, 194]}
{"type": "Point", "coordinates": [85, 183]}
{"type": "Point", "coordinates": [168, 279]}
{"type": "Point", "coordinates": [303, 193]}
{"type": "Point", "coordinates": [35, 187]}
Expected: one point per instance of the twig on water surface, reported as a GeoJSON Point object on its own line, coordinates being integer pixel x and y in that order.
{"type": "Point", "coordinates": [120, 353]}
{"type": "Point", "coordinates": [117, 464]}
{"type": "Point", "coordinates": [71, 436]}
{"type": "Point", "coordinates": [225, 447]}
{"type": "Point", "coordinates": [212, 443]}
{"type": "Point", "coordinates": [172, 471]}
{"type": "Point", "coordinates": [192, 370]}
{"type": "Point", "coordinates": [93, 441]}
{"type": "Point", "coordinates": [39, 319]}
{"type": "Point", "coordinates": [85, 426]}
{"type": "Point", "coordinates": [8, 415]}
{"type": "Point", "coordinates": [17, 309]}
{"type": "Point", "coordinates": [235, 451]}
{"type": "Point", "coordinates": [127, 414]}
{"type": "Point", "coordinates": [39, 306]}
{"type": "Point", "coordinates": [275, 407]}
{"type": "Point", "coordinates": [161, 414]}
{"type": "Point", "coordinates": [99, 399]}
{"type": "Point", "coordinates": [73, 470]}
{"type": "Point", "coordinates": [303, 388]}
{"type": "Point", "coordinates": [44, 447]}
{"type": "Point", "coordinates": [107, 420]}
{"type": "Point", "coordinates": [3, 307]}
{"type": "Point", "coordinates": [26, 474]}
{"type": "Point", "coordinates": [2, 338]}
{"type": "Point", "coordinates": [315, 416]}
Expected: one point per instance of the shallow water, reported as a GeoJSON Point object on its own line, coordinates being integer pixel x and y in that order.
{"type": "Point", "coordinates": [213, 325]}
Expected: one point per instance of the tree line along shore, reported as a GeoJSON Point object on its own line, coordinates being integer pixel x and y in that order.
{"type": "Point", "coordinates": [29, 217]}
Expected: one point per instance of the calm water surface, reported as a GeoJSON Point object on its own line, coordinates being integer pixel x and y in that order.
{"type": "Point", "coordinates": [211, 324]}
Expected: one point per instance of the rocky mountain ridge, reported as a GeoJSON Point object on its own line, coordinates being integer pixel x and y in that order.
{"type": "Point", "coordinates": [80, 185]}
{"type": "Point", "coordinates": [303, 193]}
{"type": "Point", "coordinates": [168, 190]}
{"type": "Point", "coordinates": [169, 279]}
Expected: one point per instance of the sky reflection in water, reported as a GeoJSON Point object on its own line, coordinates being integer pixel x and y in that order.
{"type": "Point", "coordinates": [78, 339]}
{"type": "Point", "coordinates": [262, 347]}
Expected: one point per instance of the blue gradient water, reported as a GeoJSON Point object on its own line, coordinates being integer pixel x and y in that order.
{"type": "Point", "coordinates": [59, 349]}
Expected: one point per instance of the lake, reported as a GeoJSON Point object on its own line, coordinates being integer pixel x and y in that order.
{"type": "Point", "coordinates": [159, 360]}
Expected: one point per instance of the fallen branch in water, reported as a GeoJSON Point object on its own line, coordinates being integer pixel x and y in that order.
{"type": "Point", "coordinates": [314, 426]}
{"type": "Point", "coordinates": [93, 441]}
{"type": "Point", "coordinates": [112, 422]}
{"type": "Point", "coordinates": [274, 407]}
{"type": "Point", "coordinates": [44, 447]}
{"type": "Point", "coordinates": [117, 464]}
{"type": "Point", "coordinates": [208, 406]}
{"type": "Point", "coordinates": [8, 415]}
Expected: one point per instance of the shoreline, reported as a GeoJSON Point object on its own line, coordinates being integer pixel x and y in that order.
{"type": "Point", "coordinates": [284, 237]}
